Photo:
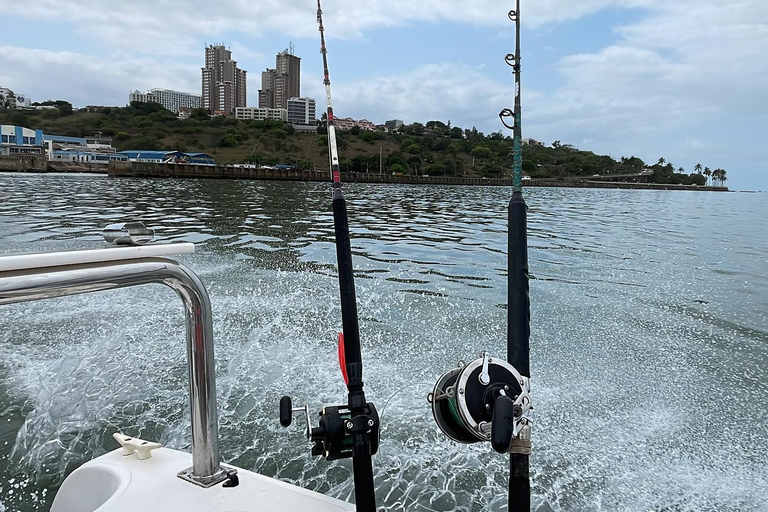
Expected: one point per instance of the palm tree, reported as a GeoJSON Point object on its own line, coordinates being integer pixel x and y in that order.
{"type": "Point", "coordinates": [661, 161]}
{"type": "Point", "coordinates": [681, 170]}
{"type": "Point", "coordinates": [719, 175]}
{"type": "Point", "coordinates": [716, 175]}
{"type": "Point", "coordinates": [707, 173]}
{"type": "Point", "coordinates": [698, 168]}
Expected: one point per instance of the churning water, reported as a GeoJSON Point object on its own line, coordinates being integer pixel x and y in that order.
{"type": "Point", "coordinates": [649, 337]}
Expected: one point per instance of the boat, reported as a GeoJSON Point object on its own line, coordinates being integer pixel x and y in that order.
{"type": "Point", "coordinates": [485, 400]}
{"type": "Point", "coordinates": [141, 474]}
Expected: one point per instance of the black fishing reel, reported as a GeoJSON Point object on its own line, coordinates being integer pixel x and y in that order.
{"type": "Point", "coordinates": [485, 400]}
{"type": "Point", "coordinates": [339, 435]}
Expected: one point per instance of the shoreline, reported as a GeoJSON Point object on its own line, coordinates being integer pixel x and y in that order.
{"type": "Point", "coordinates": [183, 171]}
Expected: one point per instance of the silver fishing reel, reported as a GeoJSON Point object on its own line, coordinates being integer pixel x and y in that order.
{"type": "Point", "coordinates": [485, 400]}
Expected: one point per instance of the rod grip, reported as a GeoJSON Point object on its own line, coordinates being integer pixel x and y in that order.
{"type": "Point", "coordinates": [519, 303]}
{"type": "Point", "coordinates": [519, 484]}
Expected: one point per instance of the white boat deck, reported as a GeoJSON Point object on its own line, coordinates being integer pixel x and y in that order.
{"type": "Point", "coordinates": [117, 483]}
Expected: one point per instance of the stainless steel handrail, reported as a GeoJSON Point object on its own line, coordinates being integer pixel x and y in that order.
{"type": "Point", "coordinates": [44, 283]}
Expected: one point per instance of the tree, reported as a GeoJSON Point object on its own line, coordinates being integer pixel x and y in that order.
{"type": "Point", "coordinates": [707, 173]}
{"type": "Point", "coordinates": [414, 149]}
{"type": "Point", "coordinates": [482, 152]}
{"type": "Point", "coordinates": [698, 168]}
{"type": "Point", "coordinates": [414, 129]}
{"type": "Point", "coordinates": [415, 163]}
{"type": "Point", "coordinates": [661, 161]}
{"type": "Point", "coordinates": [199, 114]}
{"type": "Point", "coordinates": [529, 166]}
{"type": "Point", "coordinates": [697, 179]}
{"type": "Point", "coordinates": [719, 175]}
{"type": "Point", "coordinates": [681, 170]}
{"type": "Point", "coordinates": [228, 141]}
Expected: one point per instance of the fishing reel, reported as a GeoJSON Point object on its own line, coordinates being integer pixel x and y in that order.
{"type": "Point", "coordinates": [340, 434]}
{"type": "Point", "coordinates": [485, 400]}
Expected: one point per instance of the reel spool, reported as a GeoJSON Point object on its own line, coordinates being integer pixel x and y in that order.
{"type": "Point", "coordinates": [485, 400]}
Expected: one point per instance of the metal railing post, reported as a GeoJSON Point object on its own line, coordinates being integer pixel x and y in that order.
{"type": "Point", "coordinates": [43, 283]}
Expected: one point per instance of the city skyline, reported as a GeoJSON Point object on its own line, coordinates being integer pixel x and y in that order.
{"type": "Point", "coordinates": [638, 78]}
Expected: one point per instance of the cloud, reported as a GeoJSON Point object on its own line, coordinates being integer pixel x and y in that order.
{"type": "Point", "coordinates": [85, 80]}
{"type": "Point", "coordinates": [174, 27]}
{"type": "Point", "coordinates": [685, 71]}
{"type": "Point", "coordinates": [430, 92]}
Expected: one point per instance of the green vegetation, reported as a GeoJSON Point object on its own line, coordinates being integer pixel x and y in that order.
{"type": "Point", "coordinates": [434, 148]}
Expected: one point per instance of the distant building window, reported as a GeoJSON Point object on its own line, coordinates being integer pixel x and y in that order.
{"type": "Point", "coordinates": [5, 139]}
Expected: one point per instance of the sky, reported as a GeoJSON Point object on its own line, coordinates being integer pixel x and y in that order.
{"type": "Point", "coordinates": [686, 80]}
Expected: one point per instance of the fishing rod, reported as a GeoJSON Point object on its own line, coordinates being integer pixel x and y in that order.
{"type": "Point", "coordinates": [350, 430]}
{"type": "Point", "coordinates": [489, 399]}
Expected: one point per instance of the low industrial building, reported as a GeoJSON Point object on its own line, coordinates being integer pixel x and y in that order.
{"type": "Point", "coordinates": [17, 140]}
{"type": "Point", "coordinates": [93, 150]}
{"type": "Point", "coordinates": [87, 157]}
{"type": "Point", "coordinates": [168, 157]}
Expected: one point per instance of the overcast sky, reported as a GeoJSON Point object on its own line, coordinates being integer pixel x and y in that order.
{"type": "Point", "coordinates": [686, 80]}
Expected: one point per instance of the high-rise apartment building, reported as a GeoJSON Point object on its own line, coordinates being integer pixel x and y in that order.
{"type": "Point", "coordinates": [171, 100]}
{"type": "Point", "coordinates": [224, 84]}
{"type": "Point", "coordinates": [282, 83]}
{"type": "Point", "coordinates": [301, 111]}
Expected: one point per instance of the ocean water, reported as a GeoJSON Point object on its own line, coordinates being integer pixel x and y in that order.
{"type": "Point", "coordinates": [649, 345]}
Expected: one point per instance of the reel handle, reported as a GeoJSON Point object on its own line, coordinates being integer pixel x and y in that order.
{"type": "Point", "coordinates": [287, 410]}
{"type": "Point", "coordinates": [503, 424]}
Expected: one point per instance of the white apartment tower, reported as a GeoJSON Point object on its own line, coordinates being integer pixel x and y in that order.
{"type": "Point", "coordinates": [301, 111]}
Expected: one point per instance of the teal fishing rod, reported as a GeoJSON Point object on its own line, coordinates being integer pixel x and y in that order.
{"type": "Point", "coordinates": [351, 430]}
{"type": "Point", "coordinates": [488, 399]}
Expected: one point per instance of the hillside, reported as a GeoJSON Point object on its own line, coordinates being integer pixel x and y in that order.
{"type": "Point", "coordinates": [435, 148]}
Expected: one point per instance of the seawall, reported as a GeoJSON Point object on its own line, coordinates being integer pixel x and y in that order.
{"type": "Point", "coordinates": [152, 170]}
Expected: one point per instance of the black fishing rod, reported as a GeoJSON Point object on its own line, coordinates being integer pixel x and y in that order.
{"type": "Point", "coordinates": [489, 399]}
{"type": "Point", "coordinates": [519, 303]}
{"type": "Point", "coordinates": [351, 430]}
